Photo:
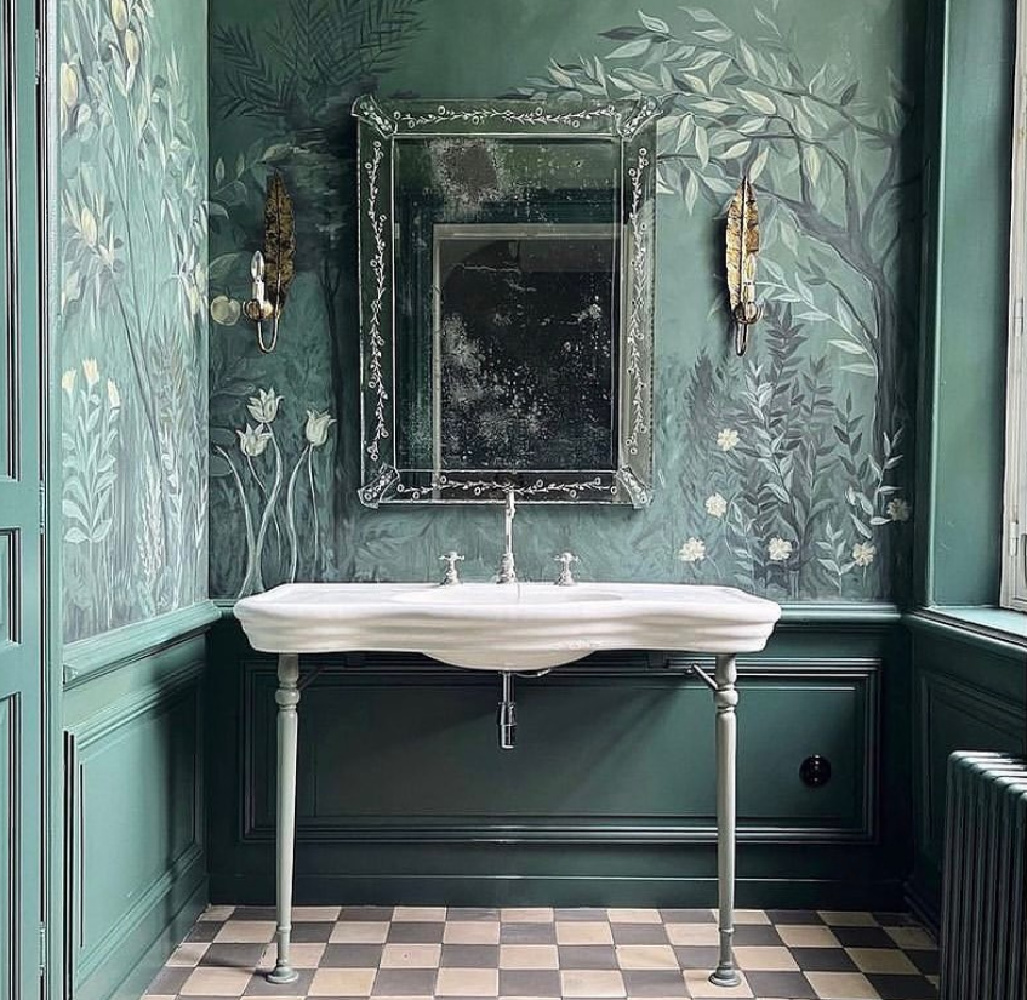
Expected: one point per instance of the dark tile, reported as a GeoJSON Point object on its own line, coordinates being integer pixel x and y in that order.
{"type": "Point", "coordinates": [472, 913]}
{"type": "Point", "coordinates": [471, 956]}
{"type": "Point", "coordinates": [654, 983]}
{"type": "Point", "coordinates": [169, 981]}
{"type": "Point", "coordinates": [863, 937]}
{"type": "Point", "coordinates": [260, 987]}
{"type": "Point", "coordinates": [311, 931]}
{"type": "Point", "coordinates": [891, 987]}
{"type": "Point", "coordinates": [233, 956]}
{"type": "Point", "coordinates": [695, 956]}
{"type": "Point", "coordinates": [417, 932]}
{"type": "Point", "coordinates": [823, 960]}
{"type": "Point", "coordinates": [205, 930]}
{"type": "Point", "coordinates": [527, 933]}
{"type": "Point", "coordinates": [529, 982]}
{"type": "Point", "coordinates": [404, 982]}
{"type": "Point", "coordinates": [352, 956]}
{"type": "Point", "coordinates": [688, 916]}
{"type": "Point", "coordinates": [587, 956]}
{"type": "Point", "coordinates": [639, 933]}
{"type": "Point", "coordinates": [254, 913]}
{"type": "Point", "coordinates": [366, 913]}
{"type": "Point", "coordinates": [793, 985]}
{"type": "Point", "coordinates": [580, 913]}
{"type": "Point", "coordinates": [794, 917]}
{"type": "Point", "coordinates": [927, 961]}
{"type": "Point", "coordinates": [894, 919]}
{"type": "Point", "coordinates": [756, 934]}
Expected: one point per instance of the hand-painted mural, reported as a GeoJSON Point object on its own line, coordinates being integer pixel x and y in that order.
{"type": "Point", "coordinates": [132, 313]}
{"type": "Point", "coordinates": [784, 472]}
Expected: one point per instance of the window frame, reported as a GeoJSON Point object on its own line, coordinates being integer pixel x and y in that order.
{"type": "Point", "coordinates": [1014, 564]}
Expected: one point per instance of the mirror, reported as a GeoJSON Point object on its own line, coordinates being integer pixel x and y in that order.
{"type": "Point", "coordinates": [506, 289]}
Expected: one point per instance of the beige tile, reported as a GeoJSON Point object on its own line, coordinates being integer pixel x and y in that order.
{"type": "Point", "coordinates": [583, 932]}
{"type": "Point", "coordinates": [419, 913]}
{"type": "Point", "coordinates": [646, 956]}
{"type": "Point", "coordinates": [301, 956]}
{"type": "Point", "coordinates": [633, 916]}
{"type": "Point", "coordinates": [467, 982]}
{"type": "Point", "coordinates": [765, 958]}
{"type": "Point", "coordinates": [529, 956]}
{"type": "Point", "coordinates": [526, 914]}
{"type": "Point", "coordinates": [882, 960]}
{"type": "Point", "coordinates": [593, 985]}
{"type": "Point", "coordinates": [471, 932]}
{"type": "Point", "coordinates": [748, 917]}
{"type": "Point", "coordinates": [217, 913]}
{"type": "Point", "coordinates": [842, 986]}
{"type": "Point", "coordinates": [700, 987]}
{"type": "Point", "coordinates": [315, 913]}
{"type": "Point", "coordinates": [911, 938]}
{"type": "Point", "coordinates": [807, 936]}
{"type": "Point", "coordinates": [411, 956]}
{"type": "Point", "coordinates": [847, 918]}
{"type": "Point", "coordinates": [694, 934]}
{"type": "Point", "coordinates": [342, 983]}
{"type": "Point", "coordinates": [188, 953]}
{"type": "Point", "coordinates": [216, 982]}
{"type": "Point", "coordinates": [246, 932]}
{"type": "Point", "coordinates": [360, 932]}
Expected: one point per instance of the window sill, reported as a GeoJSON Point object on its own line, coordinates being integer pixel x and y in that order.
{"type": "Point", "coordinates": [1002, 630]}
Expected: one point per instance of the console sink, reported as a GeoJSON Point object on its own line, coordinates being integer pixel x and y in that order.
{"type": "Point", "coordinates": [508, 627]}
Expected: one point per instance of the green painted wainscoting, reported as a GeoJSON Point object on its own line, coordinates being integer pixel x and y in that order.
{"type": "Point", "coordinates": [969, 693]}
{"type": "Point", "coordinates": [609, 796]}
{"type": "Point", "coordinates": [135, 859]}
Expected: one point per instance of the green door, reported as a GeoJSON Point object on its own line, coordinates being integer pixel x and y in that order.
{"type": "Point", "coordinates": [20, 535]}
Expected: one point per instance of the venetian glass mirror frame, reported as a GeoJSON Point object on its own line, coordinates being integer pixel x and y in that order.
{"type": "Point", "coordinates": [557, 197]}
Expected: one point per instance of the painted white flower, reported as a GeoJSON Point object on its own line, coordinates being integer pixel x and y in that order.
{"type": "Point", "coordinates": [727, 439]}
{"type": "Point", "coordinates": [317, 427]}
{"type": "Point", "coordinates": [863, 553]}
{"type": "Point", "coordinates": [87, 226]}
{"type": "Point", "coordinates": [264, 406]}
{"type": "Point", "coordinates": [68, 381]}
{"type": "Point", "coordinates": [779, 549]}
{"type": "Point", "coordinates": [253, 442]}
{"type": "Point", "coordinates": [716, 505]}
{"type": "Point", "coordinates": [91, 370]}
{"type": "Point", "coordinates": [113, 395]}
{"type": "Point", "coordinates": [898, 509]}
{"type": "Point", "coordinates": [694, 550]}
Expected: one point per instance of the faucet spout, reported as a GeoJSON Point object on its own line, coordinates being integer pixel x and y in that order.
{"type": "Point", "coordinates": [507, 571]}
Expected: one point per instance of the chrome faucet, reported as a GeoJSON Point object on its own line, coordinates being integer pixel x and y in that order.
{"type": "Point", "coordinates": [507, 572]}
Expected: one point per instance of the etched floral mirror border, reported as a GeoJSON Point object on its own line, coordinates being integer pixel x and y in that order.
{"type": "Point", "coordinates": [629, 123]}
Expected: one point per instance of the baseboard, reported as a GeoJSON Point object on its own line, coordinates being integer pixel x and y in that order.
{"type": "Point", "coordinates": [134, 981]}
{"type": "Point", "coordinates": [516, 890]}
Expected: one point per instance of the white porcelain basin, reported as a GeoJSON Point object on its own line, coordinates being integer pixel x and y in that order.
{"type": "Point", "coordinates": [488, 626]}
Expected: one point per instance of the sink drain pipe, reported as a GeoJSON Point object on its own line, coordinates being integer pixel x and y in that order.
{"type": "Point", "coordinates": [507, 713]}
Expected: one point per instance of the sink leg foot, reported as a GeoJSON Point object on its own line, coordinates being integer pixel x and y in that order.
{"type": "Point", "coordinates": [287, 698]}
{"type": "Point", "coordinates": [725, 698]}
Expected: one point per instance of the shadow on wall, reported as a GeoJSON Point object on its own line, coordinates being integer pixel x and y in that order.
{"type": "Point", "coordinates": [784, 474]}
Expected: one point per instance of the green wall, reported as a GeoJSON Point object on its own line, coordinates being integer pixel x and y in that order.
{"type": "Point", "coordinates": [806, 440]}
{"type": "Point", "coordinates": [131, 312]}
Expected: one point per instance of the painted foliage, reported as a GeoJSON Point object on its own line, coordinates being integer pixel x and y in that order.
{"type": "Point", "coordinates": [783, 472]}
{"type": "Point", "coordinates": [133, 257]}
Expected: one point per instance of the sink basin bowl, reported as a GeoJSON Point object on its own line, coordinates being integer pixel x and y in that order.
{"type": "Point", "coordinates": [509, 627]}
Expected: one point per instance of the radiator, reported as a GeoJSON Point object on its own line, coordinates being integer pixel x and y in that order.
{"type": "Point", "coordinates": [984, 903]}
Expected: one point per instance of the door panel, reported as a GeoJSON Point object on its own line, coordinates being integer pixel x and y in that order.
{"type": "Point", "coordinates": [20, 534]}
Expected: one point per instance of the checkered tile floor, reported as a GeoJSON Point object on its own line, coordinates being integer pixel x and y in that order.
{"type": "Point", "coordinates": [434, 952]}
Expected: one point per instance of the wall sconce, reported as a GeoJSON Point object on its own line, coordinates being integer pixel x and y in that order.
{"type": "Point", "coordinates": [272, 271]}
{"type": "Point", "coordinates": [741, 252]}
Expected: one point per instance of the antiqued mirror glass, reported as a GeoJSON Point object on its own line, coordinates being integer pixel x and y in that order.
{"type": "Point", "coordinates": [506, 284]}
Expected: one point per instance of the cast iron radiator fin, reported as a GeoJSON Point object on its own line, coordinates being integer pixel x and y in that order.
{"type": "Point", "coordinates": [984, 901]}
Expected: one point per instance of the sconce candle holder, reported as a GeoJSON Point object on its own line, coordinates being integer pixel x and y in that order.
{"type": "Point", "coordinates": [272, 271]}
{"type": "Point", "coordinates": [741, 251]}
